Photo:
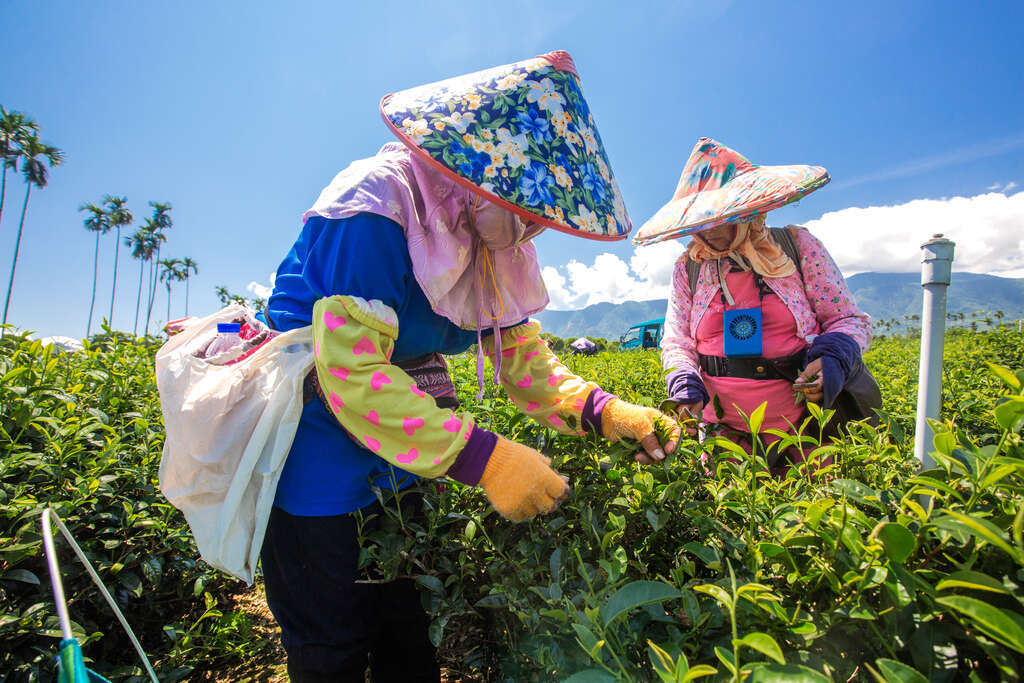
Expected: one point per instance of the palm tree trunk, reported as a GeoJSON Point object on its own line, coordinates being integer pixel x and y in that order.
{"type": "Point", "coordinates": [17, 247]}
{"type": "Point", "coordinates": [3, 186]}
{"type": "Point", "coordinates": [95, 270]}
{"type": "Point", "coordinates": [113, 290]}
{"type": "Point", "coordinates": [149, 301]}
{"type": "Point", "coordinates": [168, 303]}
{"type": "Point", "coordinates": [138, 299]}
{"type": "Point", "coordinates": [152, 289]}
{"type": "Point", "coordinates": [186, 296]}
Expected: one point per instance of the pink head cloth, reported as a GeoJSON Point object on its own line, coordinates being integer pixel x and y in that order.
{"type": "Point", "coordinates": [450, 232]}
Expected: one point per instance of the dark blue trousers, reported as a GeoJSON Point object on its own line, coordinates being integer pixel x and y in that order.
{"type": "Point", "coordinates": [333, 628]}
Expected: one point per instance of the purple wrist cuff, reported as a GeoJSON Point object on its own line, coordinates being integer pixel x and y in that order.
{"type": "Point", "coordinates": [685, 386]}
{"type": "Point", "coordinates": [471, 461]}
{"type": "Point", "coordinates": [592, 409]}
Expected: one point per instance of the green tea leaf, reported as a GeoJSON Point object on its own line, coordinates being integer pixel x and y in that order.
{"type": "Point", "coordinates": [763, 643]}
{"type": "Point", "coordinates": [591, 676]}
{"type": "Point", "coordinates": [785, 673]}
{"type": "Point", "coordinates": [971, 580]}
{"type": "Point", "coordinates": [897, 672]}
{"type": "Point", "coordinates": [635, 594]}
{"type": "Point", "coordinates": [899, 542]}
{"type": "Point", "coordinates": [1008, 378]}
{"type": "Point", "coordinates": [991, 620]}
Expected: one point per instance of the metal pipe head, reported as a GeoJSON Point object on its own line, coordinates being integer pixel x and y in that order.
{"type": "Point", "coordinates": [937, 260]}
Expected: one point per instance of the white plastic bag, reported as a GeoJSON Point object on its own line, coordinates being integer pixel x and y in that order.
{"type": "Point", "coordinates": [229, 429]}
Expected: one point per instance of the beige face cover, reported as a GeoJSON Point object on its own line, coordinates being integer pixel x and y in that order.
{"type": "Point", "coordinates": [499, 229]}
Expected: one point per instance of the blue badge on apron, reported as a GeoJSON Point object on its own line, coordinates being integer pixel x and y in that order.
{"type": "Point", "coordinates": [742, 328]}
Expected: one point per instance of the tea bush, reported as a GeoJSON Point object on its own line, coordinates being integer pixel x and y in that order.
{"type": "Point", "coordinates": [82, 433]}
{"type": "Point", "coordinates": [865, 568]}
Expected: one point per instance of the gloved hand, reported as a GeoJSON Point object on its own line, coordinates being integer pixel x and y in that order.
{"type": "Point", "coordinates": [520, 483]}
{"type": "Point", "coordinates": [624, 420]}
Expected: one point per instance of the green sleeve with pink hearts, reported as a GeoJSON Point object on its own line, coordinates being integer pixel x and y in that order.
{"type": "Point", "coordinates": [538, 383]}
{"type": "Point", "coordinates": [377, 403]}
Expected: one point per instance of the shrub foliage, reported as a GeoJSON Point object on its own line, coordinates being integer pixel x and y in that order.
{"type": "Point", "coordinates": [865, 569]}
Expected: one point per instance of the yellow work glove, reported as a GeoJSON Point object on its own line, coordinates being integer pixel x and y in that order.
{"type": "Point", "coordinates": [621, 420]}
{"type": "Point", "coordinates": [520, 483]}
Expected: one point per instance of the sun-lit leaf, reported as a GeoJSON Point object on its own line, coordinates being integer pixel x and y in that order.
{"type": "Point", "coordinates": [989, 619]}
{"type": "Point", "coordinates": [763, 643]}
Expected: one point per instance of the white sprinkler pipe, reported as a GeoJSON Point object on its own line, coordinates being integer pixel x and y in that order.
{"type": "Point", "coordinates": [936, 269]}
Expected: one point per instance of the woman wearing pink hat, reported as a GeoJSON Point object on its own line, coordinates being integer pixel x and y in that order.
{"type": "Point", "coordinates": [755, 314]}
{"type": "Point", "coordinates": [422, 250]}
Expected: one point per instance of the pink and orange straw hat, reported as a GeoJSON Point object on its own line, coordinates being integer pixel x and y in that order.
{"type": "Point", "coordinates": [719, 185]}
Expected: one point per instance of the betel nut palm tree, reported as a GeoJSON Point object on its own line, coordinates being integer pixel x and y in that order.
{"type": "Point", "coordinates": [160, 221]}
{"type": "Point", "coordinates": [96, 221]}
{"type": "Point", "coordinates": [120, 216]}
{"type": "Point", "coordinates": [172, 271]}
{"type": "Point", "coordinates": [143, 247]}
{"type": "Point", "coordinates": [189, 267]}
{"type": "Point", "coordinates": [15, 128]}
{"type": "Point", "coordinates": [35, 157]}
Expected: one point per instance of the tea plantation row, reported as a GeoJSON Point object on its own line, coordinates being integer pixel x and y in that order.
{"type": "Point", "coordinates": [867, 568]}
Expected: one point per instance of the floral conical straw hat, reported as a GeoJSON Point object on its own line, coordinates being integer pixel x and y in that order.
{"type": "Point", "coordinates": [520, 136]}
{"type": "Point", "coordinates": [720, 185]}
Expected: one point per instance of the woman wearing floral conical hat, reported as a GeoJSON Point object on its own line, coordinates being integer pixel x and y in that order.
{"type": "Point", "coordinates": [419, 251]}
{"type": "Point", "coordinates": [748, 323]}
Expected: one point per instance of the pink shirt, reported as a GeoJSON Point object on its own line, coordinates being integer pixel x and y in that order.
{"type": "Point", "coordinates": [778, 338]}
{"type": "Point", "coordinates": [821, 302]}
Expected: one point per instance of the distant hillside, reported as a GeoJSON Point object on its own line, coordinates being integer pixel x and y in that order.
{"type": "Point", "coordinates": [881, 295]}
{"type": "Point", "coordinates": [894, 295]}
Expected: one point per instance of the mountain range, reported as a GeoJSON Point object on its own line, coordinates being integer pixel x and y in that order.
{"type": "Point", "coordinates": [883, 296]}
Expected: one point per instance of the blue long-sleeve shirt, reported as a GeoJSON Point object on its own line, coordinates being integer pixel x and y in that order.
{"type": "Point", "coordinates": [326, 472]}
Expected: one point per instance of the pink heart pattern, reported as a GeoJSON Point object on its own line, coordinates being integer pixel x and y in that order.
{"type": "Point", "coordinates": [316, 349]}
{"type": "Point", "coordinates": [373, 417]}
{"type": "Point", "coordinates": [372, 444]}
{"type": "Point", "coordinates": [336, 403]}
{"type": "Point", "coordinates": [364, 345]}
{"type": "Point", "coordinates": [416, 390]}
{"type": "Point", "coordinates": [378, 380]}
{"type": "Point", "coordinates": [508, 353]}
{"type": "Point", "coordinates": [531, 354]}
{"type": "Point", "coordinates": [557, 421]}
{"type": "Point", "coordinates": [580, 404]}
{"type": "Point", "coordinates": [411, 424]}
{"type": "Point", "coordinates": [524, 382]}
{"type": "Point", "coordinates": [553, 380]}
{"type": "Point", "coordinates": [453, 424]}
{"type": "Point", "coordinates": [407, 457]}
{"type": "Point", "coordinates": [531, 406]}
{"type": "Point", "coordinates": [340, 373]}
{"type": "Point", "coordinates": [332, 321]}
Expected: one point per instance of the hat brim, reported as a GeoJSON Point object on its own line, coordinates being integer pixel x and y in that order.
{"type": "Point", "coordinates": [758, 191]}
{"type": "Point", "coordinates": [526, 214]}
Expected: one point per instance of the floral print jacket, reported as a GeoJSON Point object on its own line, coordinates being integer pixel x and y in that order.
{"type": "Point", "coordinates": [820, 303]}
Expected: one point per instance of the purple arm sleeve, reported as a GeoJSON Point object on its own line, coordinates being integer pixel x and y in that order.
{"type": "Point", "coordinates": [592, 409]}
{"type": "Point", "coordinates": [840, 357]}
{"type": "Point", "coordinates": [686, 386]}
{"type": "Point", "coordinates": [469, 465]}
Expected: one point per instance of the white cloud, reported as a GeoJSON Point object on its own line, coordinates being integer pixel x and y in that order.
{"type": "Point", "coordinates": [260, 290]}
{"type": "Point", "coordinates": [647, 276]}
{"type": "Point", "coordinates": [988, 230]}
{"type": "Point", "coordinates": [999, 187]}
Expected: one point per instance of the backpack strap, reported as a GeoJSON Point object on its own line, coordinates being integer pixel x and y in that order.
{"type": "Point", "coordinates": [692, 273]}
{"type": "Point", "coordinates": [784, 238]}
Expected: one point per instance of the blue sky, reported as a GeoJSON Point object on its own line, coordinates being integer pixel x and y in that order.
{"type": "Point", "coordinates": [238, 113]}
